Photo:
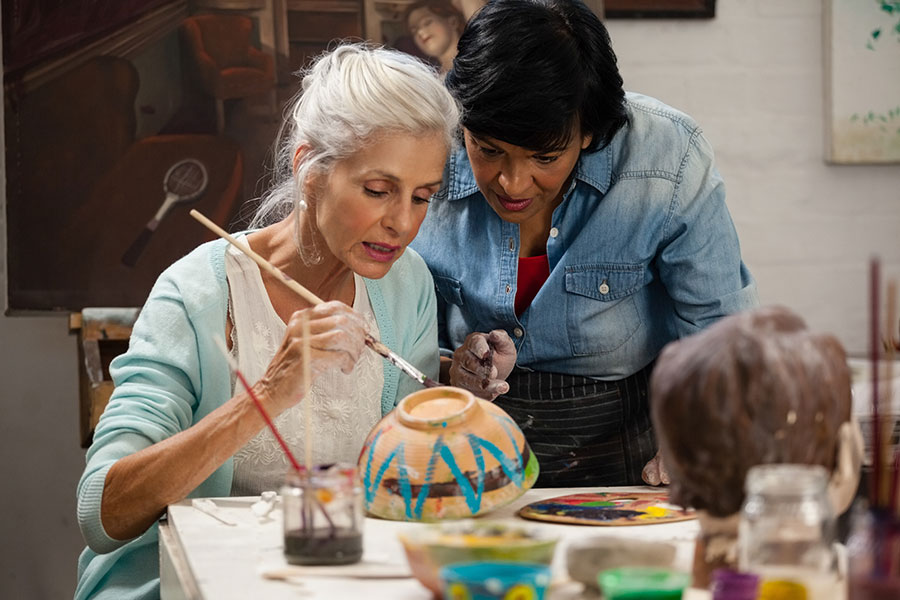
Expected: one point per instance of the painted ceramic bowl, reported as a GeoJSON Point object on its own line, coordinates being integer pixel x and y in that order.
{"type": "Point", "coordinates": [444, 454]}
{"type": "Point", "coordinates": [428, 548]}
{"type": "Point", "coordinates": [495, 581]}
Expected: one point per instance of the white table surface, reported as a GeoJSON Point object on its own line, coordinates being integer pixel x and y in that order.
{"type": "Point", "coordinates": [202, 558]}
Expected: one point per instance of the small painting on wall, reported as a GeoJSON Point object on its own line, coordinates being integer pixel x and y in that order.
{"type": "Point", "coordinates": [862, 81]}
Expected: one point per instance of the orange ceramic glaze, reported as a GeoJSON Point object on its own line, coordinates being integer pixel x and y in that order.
{"type": "Point", "coordinates": [437, 408]}
{"type": "Point", "coordinates": [444, 454]}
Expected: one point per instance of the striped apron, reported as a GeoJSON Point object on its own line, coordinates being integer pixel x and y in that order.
{"type": "Point", "coordinates": [584, 432]}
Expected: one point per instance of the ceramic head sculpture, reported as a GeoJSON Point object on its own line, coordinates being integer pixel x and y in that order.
{"type": "Point", "coordinates": [754, 388]}
{"type": "Point", "coordinates": [444, 454]}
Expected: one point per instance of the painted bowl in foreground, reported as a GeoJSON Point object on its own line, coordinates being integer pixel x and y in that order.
{"type": "Point", "coordinates": [430, 547]}
{"type": "Point", "coordinates": [444, 454]}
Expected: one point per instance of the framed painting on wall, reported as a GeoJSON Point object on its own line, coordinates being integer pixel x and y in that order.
{"type": "Point", "coordinates": [659, 9]}
{"type": "Point", "coordinates": [108, 103]}
{"type": "Point", "coordinates": [862, 81]}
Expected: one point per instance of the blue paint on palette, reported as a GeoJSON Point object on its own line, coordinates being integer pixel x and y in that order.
{"type": "Point", "coordinates": [596, 513]}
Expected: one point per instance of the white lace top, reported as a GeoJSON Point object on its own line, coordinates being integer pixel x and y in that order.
{"type": "Point", "coordinates": [344, 407]}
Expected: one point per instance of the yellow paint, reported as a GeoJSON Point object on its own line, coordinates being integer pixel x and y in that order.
{"type": "Point", "coordinates": [475, 541]}
{"type": "Point", "coordinates": [458, 591]}
{"type": "Point", "coordinates": [654, 512]}
{"type": "Point", "coordinates": [520, 591]}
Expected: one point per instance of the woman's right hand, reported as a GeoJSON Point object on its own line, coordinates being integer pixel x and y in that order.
{"type": "Point", "coordinates": [337, 339]}
{"type": "Point", "coordinates": [482, 364]}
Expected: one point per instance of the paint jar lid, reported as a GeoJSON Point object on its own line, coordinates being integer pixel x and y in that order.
{"type": "Point", "coordinates": [636, 583]}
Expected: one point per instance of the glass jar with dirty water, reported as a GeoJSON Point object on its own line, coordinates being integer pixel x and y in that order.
{"type": "Point", "coordinates": [323, 517]}
{"type": "Point", "coordinates": [786, 533]}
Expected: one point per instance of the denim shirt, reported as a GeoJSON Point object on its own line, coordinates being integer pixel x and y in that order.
{"type": "Point", "coordinates": [642, 251]}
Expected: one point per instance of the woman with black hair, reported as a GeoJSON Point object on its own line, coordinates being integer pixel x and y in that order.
{"type": "Point", "coordinates": [584, 229]}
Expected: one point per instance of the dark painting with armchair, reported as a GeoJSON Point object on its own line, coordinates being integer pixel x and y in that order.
{"type": "Point", "coordinates": [104, 101]}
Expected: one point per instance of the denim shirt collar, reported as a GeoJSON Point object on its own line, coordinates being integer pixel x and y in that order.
{"type": "Point", "coordinates": [592, 168]}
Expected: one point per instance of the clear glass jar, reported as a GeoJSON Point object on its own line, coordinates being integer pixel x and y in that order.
{"type": "Point", "coordinates": [787, 531]}
{"type": "Point", "coordinates": [323, 518]}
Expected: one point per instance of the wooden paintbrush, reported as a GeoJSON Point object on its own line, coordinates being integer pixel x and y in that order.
{"type": "Point", "coordinates": [392, 357]}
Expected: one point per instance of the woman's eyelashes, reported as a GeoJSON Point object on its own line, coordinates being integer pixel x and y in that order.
{"type": "Point", "coordinates": [489, 152]}
{"type": "Point", "coordinates": [420, 197]}
{"type": "Point", "coordinates": [375, 193]}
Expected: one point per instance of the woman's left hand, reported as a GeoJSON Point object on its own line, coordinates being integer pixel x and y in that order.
{"type": "Point", "coordinates": [655, 472]}
{"type": "Point", "coordinates": [482, 364]}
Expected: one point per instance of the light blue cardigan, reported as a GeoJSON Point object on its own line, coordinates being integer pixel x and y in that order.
{"type": "Point", "coordinates": [174, 374]}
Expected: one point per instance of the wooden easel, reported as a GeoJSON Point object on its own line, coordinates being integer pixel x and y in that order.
{"type": "Point", "coordinates": [103, 334]}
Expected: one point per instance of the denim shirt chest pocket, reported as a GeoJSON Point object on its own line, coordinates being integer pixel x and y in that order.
{"type": "Point", "coordinates": [601, 313]}
{"type": "Point", "coordinates": [449, 289]}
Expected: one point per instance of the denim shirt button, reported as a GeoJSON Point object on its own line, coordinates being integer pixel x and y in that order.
{"type": "Point", "coordinates": [604, 288]}
{"type": "Point", "coordinates": [508, 288]}
{"type": "Point", "coordinates": [554, 232]}
{"type": "Point", "coordinates": [512, 244]}
{"type": "Point", "coordinates": [518, 332]}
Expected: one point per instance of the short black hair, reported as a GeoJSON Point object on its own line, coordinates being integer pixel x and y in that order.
{"type": "Point", "coordinates": [527, 71]}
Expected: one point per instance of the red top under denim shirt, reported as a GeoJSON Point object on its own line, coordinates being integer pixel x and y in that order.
{"type": "Point", "coordinates": [533, 272]}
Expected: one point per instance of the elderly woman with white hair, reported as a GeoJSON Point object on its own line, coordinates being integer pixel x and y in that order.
{"type": "Point", "coordinates": [361, 154]}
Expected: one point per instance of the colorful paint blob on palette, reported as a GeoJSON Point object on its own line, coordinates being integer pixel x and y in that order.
{"type": "Point", "coordinates": [607, 508]}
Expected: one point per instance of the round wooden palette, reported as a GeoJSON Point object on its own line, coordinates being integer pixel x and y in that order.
{"type": "Point", "coordinates": [611, 509]}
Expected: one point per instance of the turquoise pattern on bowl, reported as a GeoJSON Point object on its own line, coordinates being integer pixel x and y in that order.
{"type": "Point", "coordinates": [495, 581]}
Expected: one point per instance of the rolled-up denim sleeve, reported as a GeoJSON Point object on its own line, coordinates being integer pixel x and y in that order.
{"type": "Point", "coordinates": [700, 259]}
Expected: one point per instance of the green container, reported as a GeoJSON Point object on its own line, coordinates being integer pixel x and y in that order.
{"type": "Point", "coordinates": [636, 583]}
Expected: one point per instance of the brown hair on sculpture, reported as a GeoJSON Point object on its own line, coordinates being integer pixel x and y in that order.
{"type": "Point", "coordinates": [754, 388]}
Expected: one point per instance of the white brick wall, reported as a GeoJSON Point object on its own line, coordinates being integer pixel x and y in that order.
{"type": "Point", "coordinates": [753, 78]}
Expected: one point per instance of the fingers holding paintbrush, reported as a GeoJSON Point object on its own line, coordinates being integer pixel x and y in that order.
{"type": "Point", "coordinates": [482, 364]}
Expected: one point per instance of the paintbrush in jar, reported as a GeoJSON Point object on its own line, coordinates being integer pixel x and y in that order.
{"type": "Point", "coordinates": [379, 348]}
{"type": "Point", "coordinates": [307, 425]}
{"type": "Point", "coordinates": [256, 402]}
{"type": "Point", "coordinates": [874, 329]}
{"type": "Point", "coordinates": [271, 424]}
{"type": "Point", "coordinates": [888, 400]}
